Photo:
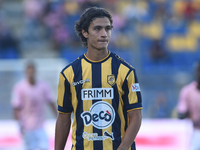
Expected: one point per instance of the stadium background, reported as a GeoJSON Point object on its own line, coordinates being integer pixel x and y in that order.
{"type": "Point", "coordinates": [160, 38]}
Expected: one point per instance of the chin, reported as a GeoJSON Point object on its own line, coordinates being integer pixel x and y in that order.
{"type": "Point", "coordinates": [102, 48]}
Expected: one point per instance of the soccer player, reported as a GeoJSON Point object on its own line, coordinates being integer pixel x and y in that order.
{"type": "Point", "coordinates": [189, 107]}
{"type": "Point", "coordinates": [102, 91]}
{"type": "Point", "coordinates": [28, 101]}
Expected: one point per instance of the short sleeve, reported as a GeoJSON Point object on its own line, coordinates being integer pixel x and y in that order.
{"type": "Point", "coordinates": [133, 99]}
{"type": "Point", "coordinates": [182, 102]}
{"type": "Point", "coordinates": [16, 100]}
{"type": "Point", "coordinates": [64, 95]}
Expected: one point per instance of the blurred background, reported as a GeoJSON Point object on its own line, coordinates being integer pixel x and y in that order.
{"type": "Point", "coordinates": [160, 38]}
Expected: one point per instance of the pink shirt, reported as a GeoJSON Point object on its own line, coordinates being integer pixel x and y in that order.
{"type": "Point", "coordinates": [189, 101]}
{"type": "Point", "coordinates": [31, 100]}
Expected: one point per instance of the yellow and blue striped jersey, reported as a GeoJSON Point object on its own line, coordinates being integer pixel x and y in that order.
{"type": "Point", "coordinates": [99, 93]}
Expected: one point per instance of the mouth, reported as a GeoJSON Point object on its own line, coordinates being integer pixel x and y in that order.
{"type": "Point", "coordinates": [104, 41]}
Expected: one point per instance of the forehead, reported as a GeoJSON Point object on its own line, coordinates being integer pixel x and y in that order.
{"type": "Point", "coordinates": [100, 22]}
{"type": "Point", "coordinates": [30, 67]}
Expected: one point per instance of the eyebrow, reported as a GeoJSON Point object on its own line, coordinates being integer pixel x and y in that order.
{"type": "Point", "coordinates": [99, 26]}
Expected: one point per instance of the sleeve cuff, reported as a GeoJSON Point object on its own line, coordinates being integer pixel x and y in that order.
{"type": "Point", "coordinates": [65, 109]}
{"type": "Point", "coordinates": [133, 107]}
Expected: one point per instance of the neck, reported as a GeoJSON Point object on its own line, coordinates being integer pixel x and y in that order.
{"type": "Point", "coordinates": [96, 55]}
{"type": "Point", "coordinates": [31, 81]}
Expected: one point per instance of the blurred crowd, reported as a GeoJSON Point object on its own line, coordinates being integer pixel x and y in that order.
{"type": "Point", "coordinates": [9, 45]}
{"type": "Point", "coordinates": [157, 26]}
{"type": "Point", "coordinates": [59, 17]}
{"type": "Point", "coordinates": [165, 32]}
{"type": "Point", "coordinates": [169, 34]}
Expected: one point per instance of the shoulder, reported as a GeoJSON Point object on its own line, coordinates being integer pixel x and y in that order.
{"type": "Point", "coordinates": [20, 83]}
{"type": "Point", "coordinates": [120, 60]}
{"type": "Point", "coordinates": [19, 86]}
{"type": "Point", "coordinates": [76, 62]}
{"type": "Point", "coordinates": [189, 87]}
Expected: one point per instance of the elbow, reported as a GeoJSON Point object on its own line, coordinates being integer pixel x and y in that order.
{"type": "Point", "coordinates": [182, 115]}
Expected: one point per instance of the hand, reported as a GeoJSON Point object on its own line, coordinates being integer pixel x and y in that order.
{"type": "Point", "coordinates": [121, 148]}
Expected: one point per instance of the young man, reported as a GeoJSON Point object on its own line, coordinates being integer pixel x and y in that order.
{"type": "Point", "coordinates": [189, 106]}
{"type": "Point", "coordinates": [28, 101]}
{"type": "Point", "coordinates": [101, 90]}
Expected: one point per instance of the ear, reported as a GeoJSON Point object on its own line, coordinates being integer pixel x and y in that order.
{"type": "Point", "coordinates": [85, 34]}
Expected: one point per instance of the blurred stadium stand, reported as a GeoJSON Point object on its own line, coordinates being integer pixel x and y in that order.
{"type": "Point", "coordinates": [160, 38]}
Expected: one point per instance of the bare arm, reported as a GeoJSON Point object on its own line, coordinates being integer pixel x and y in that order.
{"type": "Point", "coordinates": [135, 118]}
{"type": "Point", "coordinates": [63, 124]}
{"type": "Point", "coordinates": [183, 115]}
{"type": "Point", "coordinates": [16, 113]}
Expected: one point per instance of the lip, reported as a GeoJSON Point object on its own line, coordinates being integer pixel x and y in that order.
{"type": "Point", "coordinates": [103, 41]}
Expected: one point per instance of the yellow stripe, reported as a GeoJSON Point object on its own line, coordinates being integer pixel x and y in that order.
{"type": "Point", "coordinates": [87, 74]}
{"type": "Point", "coordinates": [132, 96]}
{"type": "Point", "coordinates": [98, 60]}
{"type": "Point", "coordinates": [122, 72]}
{"type": "Point", "coordinates": [105, 71]}
{"type": "Point", "coordinates": [63, 112]}
{"type": "Point", "coordinates": [69, 73]}
{"type": "Point", "coordinates": [135, 109]}
{"type": "Point", "coordinates": [61, 90]}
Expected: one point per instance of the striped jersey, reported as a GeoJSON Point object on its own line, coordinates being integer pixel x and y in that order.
{"type": "Point", "coordinates": [99, 93]}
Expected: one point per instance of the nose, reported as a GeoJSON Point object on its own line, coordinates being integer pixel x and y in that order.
{"type": "Point", "coordinates": [103, 33]}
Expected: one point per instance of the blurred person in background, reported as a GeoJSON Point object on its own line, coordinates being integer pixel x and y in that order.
{"type": "Point", "coordinates": [101, 121]}
{"type": "Point", "coordinates": [189, 107]}
{"type": "Point", "coordinates": [160, 108]}
{"type": "Point", "coordinates": [29, 98]}
{"type": "Point", "coordinates": [9, 45]}
{"type": "Point", "coordinates": [157, 52]}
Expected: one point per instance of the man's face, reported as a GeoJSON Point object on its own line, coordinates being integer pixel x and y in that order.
{"type": "Point", "coordinates": [99, 33]}
{"type": "Point", "coordinates": [30, 72]}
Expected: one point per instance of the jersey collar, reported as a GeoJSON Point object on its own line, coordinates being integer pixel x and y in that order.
{"type": "Point", "coordinates": [98, 60]}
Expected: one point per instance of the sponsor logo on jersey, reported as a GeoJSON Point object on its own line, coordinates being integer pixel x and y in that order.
{"type": "Point", "coordinates": [111, 80]}
{"type": "Point", "coordinates": [101, 115]}
{"type": "Point", "coordinates": [97, 93]}
{"type": "Point", "coordinates": [135, 87]}
{"type": "Point", "coordinates": [80, 82]}
{"type": "Point", "coordinates": [96, 137]}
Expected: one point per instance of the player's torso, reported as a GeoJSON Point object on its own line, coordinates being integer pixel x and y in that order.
{"type": "Point", "coordinates": [33, 101]}
{"type": "Point", "coordinates": [33, 96]}
{"type": "Point", "coordinates": [97, 102]}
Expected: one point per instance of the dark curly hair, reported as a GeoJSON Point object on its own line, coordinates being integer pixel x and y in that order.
{"type": "Point", "coordinates": [86, 18]}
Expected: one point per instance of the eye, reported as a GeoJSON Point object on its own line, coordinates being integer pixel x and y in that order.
{"type": "Point", "coordinates": [97, 28]}
{"type": "Point", "coordinates": [108, 28]}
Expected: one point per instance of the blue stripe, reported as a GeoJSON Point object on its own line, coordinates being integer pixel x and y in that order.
{"type": "Point", "coordinates": [79, 130]}
{"type": "Point", "coordinates": [65, 109]}
{"type": "Point", "coordinates": [139, 96]}
{"type": "Point", "coordinates": [96, 83]}
{"type": "Point", "coordinates": [125, 100]}
{"type": "Point", "coordinates": [115, 103]}
{"type": "Point", "coordinates": [67, 101]}
{"type": "Point", "coordinates": [132, 106]}
{"type": "Point", "coordinates": [133, 146]}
